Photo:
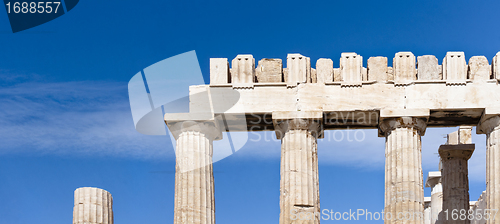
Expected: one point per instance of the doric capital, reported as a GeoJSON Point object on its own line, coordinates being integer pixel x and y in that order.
{"type": "Point", "coordinates": [388, 125]}
{"type": "Point", "coordinates": [433, 178]}
{"type": "Point", "coordinates": [209, 128]}
{"type": "Point", "coordinates": [298, 120]}
{"type": "Point", "coordinates": [460, 151]}
{"type": "Point", "coordinates": [487, 125]}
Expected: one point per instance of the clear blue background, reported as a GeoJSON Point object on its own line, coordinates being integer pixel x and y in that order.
{"type": "Point", "coordinates": [65, 121]}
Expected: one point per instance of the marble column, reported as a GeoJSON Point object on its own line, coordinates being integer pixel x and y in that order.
{"type": "Point", "coordinates": [194, 178]}
{"type": "Point", "coordinates": [491, 127]}
{"type": "Point", "coordinates": [427, 210]}
{"type": "Point", "coordinates": [404, 192]}
{"type": "Point", "coordinates": [299, 190]}
{"type": "Point", "coordinates": [434, 182]}
{"type": "Point", "coordinates": [92, 206]}
{"type": "Point", "coordinates": [455, 179]}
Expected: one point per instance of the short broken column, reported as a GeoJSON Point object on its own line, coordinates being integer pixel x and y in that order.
{"type": "Point", "coordinates": [455, 179]}
{"type": "Point", "coordinates": [404, 193]}
{"type": "Point", "coordinates": [434, 182]}
{"type": "Point", "coordinates": [299, 190]}
{"type": "Point", "coordinates": [92, 206]}
{"type": "Point", "coordinates": [194, 178]}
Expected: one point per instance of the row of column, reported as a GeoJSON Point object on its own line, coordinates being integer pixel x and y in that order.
{"type": "Point", "coordinates": [299, 190]}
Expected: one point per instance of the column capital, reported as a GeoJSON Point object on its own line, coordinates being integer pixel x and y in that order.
{"type": "Point", "coordinates": [298, 120]}
{"type": "Point", "coordinates": [462, 151]}
{"type": "Point", "coordinates": [389, 124]}
{"type": "Point", "coordinates": [433, 178]}
{"type": "Point", "coordinates": [209, 126]}
{"type": "Point", "coordinates": [489, 121]}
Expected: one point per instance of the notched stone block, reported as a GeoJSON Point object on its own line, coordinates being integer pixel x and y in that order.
{"type": "Point", "coordinates": [351, 67]}
{"type": "Point", "coordinates": [479, 68]}
{"type": "Point", "coordinates": [269, 70]}
{"type": "Point", "coordinates": [454, 66]}
{"type": "Point", "coordinates": [404, 67]}
{"type": "Point", "coordinates": [219, 71]}
{"type": "Point", "coordinates": [428, 68]}
{"type": "Point", "coordinates": [299, 69]}
{"type": "Point", "coordinates": [243, 69]}
{"type": "Point", "coordinates": [377, 69]}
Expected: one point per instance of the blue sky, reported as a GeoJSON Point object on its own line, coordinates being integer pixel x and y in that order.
{"type": "Point", "coordinates": [65, 121]}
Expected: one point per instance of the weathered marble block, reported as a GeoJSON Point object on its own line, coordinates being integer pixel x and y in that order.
{"type": "Point", "coordinates": [479, 68]}
{"type": "Point", "coordinates": [495, 66]}
{"type": "Point", "coordinates": [428, 68]}
{"type": "Point", "coordinates": [243, 69]}
{"type": "Point", "coordinates": [404, 67]}
{"type": "Point", "coordinates": [351, 67]}
{"type": "Point", "coordinates": [324, 70]}
{"type": "Point", "coordinates": [454, 66]}
{"type": "Point", "coordinates": [377, 69]}
{"type": "Point", "coordinates": [219, 71]}
{"type": "Point", "coordinates": [270, 70]}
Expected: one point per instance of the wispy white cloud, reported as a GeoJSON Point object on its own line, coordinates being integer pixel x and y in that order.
{"type": "Point", "coordinates": [73, 118]}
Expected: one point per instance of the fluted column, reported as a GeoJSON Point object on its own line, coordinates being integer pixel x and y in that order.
{"type": "Point", "coordinates": [491, 127]}
{"type": "Point", "coordinates": [434, 182]}
{"type": "Point", "coordinates": [404, 193]}
{"type": "Point", "coordinates": [455, 178]}
{"type": "Point", "coordinates": [194, 179]}
{"type": "Point", "coordinates": [299, 190]}
{"type": "Point", "coordinates": [92, 206]}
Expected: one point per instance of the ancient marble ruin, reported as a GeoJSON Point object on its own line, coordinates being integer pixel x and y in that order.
{"type": "Point", "coordinates": [401, 101]}
{"type": "Point", "coordinates": [92, 206]}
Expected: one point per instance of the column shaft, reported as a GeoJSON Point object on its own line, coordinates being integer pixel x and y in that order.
{"type": "Point", "coordinates": [436, 203]}
{"type": "Point", "coordinates": [455, 178]}
{"type": "Point", "coordinates": [299, 190]}
{"type": "Point", "coordinates": [194, 180]}
{"type": "Point", "coordinates": [92, 206]}
{"type": "Point", "coordinates": [493, 173]}
{"type": "Point", "coordinates": [491, 127]}
{"type": "Point", "coordinates": [404, 198]}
